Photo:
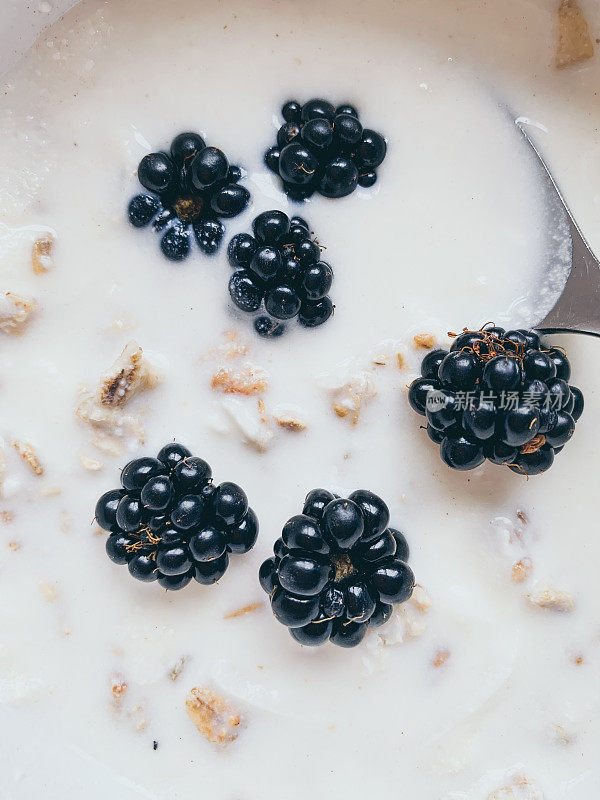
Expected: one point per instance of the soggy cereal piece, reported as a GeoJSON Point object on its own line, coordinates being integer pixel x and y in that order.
{"type": "Point", "coordinates": [29, 456]}
{"type": "Point", "coordinates": [247, 380]}
{"type": "Point", "coordinates": [426, 341]}
{"type": "Point", "coordinates": [48, 589]}
{"type": "Point", "coordinates": [290, 422]}
{"type": "Point", "coordinates": [241, 612]}
{"type": "Point", "coordinates": [521, 570]}
{"type": "Point", "coordinates": [41, 254]}
{"type": "Point", "coordinates": [6, 517]}
{"type": "Point", "coordinates": [177, 668]}
{"type": "Point", "coordinates": [552, 599]}
{"type": "Point", "coordinates": [519, 787]}
{"type": "Point", "coordinates": [250, 421]}
{"type": "Point", "coordinates": [91, 464]}
{"type": "Point", "coordinates": [212, 715]}
{"type": "Point", "coordinates": [15, 312]}
{"type": "Point", "coordinates": [420, 599]}
{"type": "Point", "coordinates": [13, 546]}
{"type": "Point", "coordinates": [351, 397]}
{"type": "Point", "coordinates": [129, 374]}
{"type": "Point", "coordinates": [111, 424]}
{"type": "Point", "coordinates": [440, 658]}
{"type": "Point", "coordinates": [574, 43]}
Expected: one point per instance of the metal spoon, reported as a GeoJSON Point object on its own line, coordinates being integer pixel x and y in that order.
{"type": "Point", "coordinates": [577, 310]}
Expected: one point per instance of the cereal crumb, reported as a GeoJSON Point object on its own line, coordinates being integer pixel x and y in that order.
{"type": "Point", "coordinates": [518, 788]}
{"type": "Point", "coordinates": [15, 312]}
{"type": "Point", "coordinates": [351, 397]}
{"type": "Point", "coordinates": [440, 658]}
{"type": "Point", "coordinates": [177, 668]}
{"type": "Point", "coordinates": [561, 735]}
{"type": "Point", "coordinates": [50, 491]}
{"type": "Point", "coordinates": [401, 361]}
{"type": "Point", "coordinates": [88, 463]}
{"type": "Point", "coordinates": [212, 715]}
{"type": "Point", "coordinates": [29, 456]}
{"type": "Point", "coordinates": [521, 570]}
{"type": "Point", "coordinates": [552, 599]}
{"type": "Point", "coordinates": [290, 423]}
{"type": "Point", "coordinates": [247, 380]}
{"type": "Point", "coordinates": [424, 340]}
{"type": "Point", "coordinates": [48, 590]}
{"type": "Point", "coordinates": [6, 517]}
{"type": "Point", "coordinates": [522, 516]}
{"type": "Point", "coordinates": [129, 374]}
{"type": "Point", "coordinates": [41, 254]}
{"type": "Point", "coordinates": [578, 659]}
{"type": "Point", "coordinates": [14, 546]}
{"type": "Point", "coordinates": [420, 599]}
{"type": "Point", "coordinates": [240, 612]}
{"type": "Point", "coordinates": [574, 42]}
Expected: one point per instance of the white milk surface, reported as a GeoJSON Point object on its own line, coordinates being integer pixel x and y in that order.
{"type": "Point", "coordinates": [481, 692]}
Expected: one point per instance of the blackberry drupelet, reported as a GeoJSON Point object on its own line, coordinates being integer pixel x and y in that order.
{"type": "Point", "coordinates": [193, 187]}
{"type": "Point", "coordinates": [337, 569]}
{"type": "Point", "coordinates": [170, 523]}
{"type": "Point", "coordinates": [323, 149]}
{"type": "Point", "coordinates": [497, 395]}
{"type": "Point", "coordinates": [279, 269]}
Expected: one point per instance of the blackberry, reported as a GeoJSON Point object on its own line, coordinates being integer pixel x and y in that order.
{"type": "Point", "coordinates": [193, 187]}
{"type": "Point", "coordinates": [280, 267]}
{"type": "Point", "coordinates": [498, 395]}
{"type": "Point", "coordinates": [337, 569]}
{"type": "Point", "coordinates": [170, 523]}
{"type": "Point", "coordinates": [325, 149]}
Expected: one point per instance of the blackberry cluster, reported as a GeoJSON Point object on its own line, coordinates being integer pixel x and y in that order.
{"type": "Point", "coordinates": [338, 569]}
{"type": "Point", "coordinates": [279, 267]}
{"type": "Point", "coordinates": [500, 395]}
{"type": "Point", "coordinates": [324, 149]}
{"type": "Point", "coordinates": [170, 522]}
{"type": "Point", "coordinates": [193, 187]}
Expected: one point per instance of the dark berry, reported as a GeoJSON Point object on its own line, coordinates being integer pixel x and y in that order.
{"type": "Point", "coordinates": [577, 402]}
{"type": "Point", "coordinates": [162, 218]}
{"type": "Point", "coordinates": [536, 393]}
{"type": "Point", "coordinates": [348, 130]}
{"type": "Point", "coordinates": [559, 393]}
{"type": "Point", "coordinates": [143, 568]}
{"type": "Point", "coordinates": [267, 575]}
{"type": "Point", "coordinates": [307, 252]}
{"type": "Point", "coordinates": [534, 463]}
{"type": "Point", "coordinates": [291, 272]}
{"type": "Point", "coordinates": [136, 473]}
{"type": "Point", "coordinates": [299, 193]}
{"type": "Point", "coordinates": [291, 111]}
{"type": "Point", "coordinates": [271, 226]}
{"type": "Point", "coordinates": [442, 408]}
{"type": "Point", "coordinates": [379, 549]}
{"type": "Point", "coordinates": [402, 549]}
{"type": "Point", "coordinates": [532, 339]}
{"type": "Point", "coordinates": [502, 374]}
{"type": "Point", "coordinates": [371, 150]}
{"type": "Point", "coordinates": [207, 544]}
{"type": "Point", "coordinates": [297, 164]}
{"type": "Point", "coordinates": [282, 302]}
{"type": "Point", "coordinates": [315, 502]}
{"type": "Point", "coordinates": [333, 601]}
{"type": "Point", "coordinates": [470, 340]}
{"type": "Point", "coordinates": [272, 159]}
{"type": "Point", "coordinates": [171, 454]}
{"type": "Point", "coordinates": [346, 108]}
{"type": "Point", "coordinates": [230, 503]}
{"type": "Point", "coordinates": [560, 433]}
{"type": "Point", "coordinates": [375, 513]}
{"type": "Point", "coordinates": [230, 200]}
{"type": "Point", "coordinates": [208, 233]}
{"type": "Point", "coordinates": [517, 338]}
{"type": "Point", "coordinates": [188, 512]}
{"type": "Point", "coordinates": [157, 173]}
{"type": "Point", "coordinates": [317, 134]}
{"type": "Point", "coordinates": [175, 243]}
{"type": "Point", "coordinates": [209, 572]}
{"type": "Point", "coordinates": [519, 425]}
{"type": "Point", "coordinates": [360, 603]}
{"type": "Point", "coordinates": [279, 548]}
{"type": "Point", "coordinates": [347, 633]}
{"type": "Point", "coordinates": [157, 493]}
{"type": "Point", "coordinates": [418, 391]}
{"type": "Point", "coordinates": [367, 179]}
{"type": "Point", "coordinates": [383, 611]}
{"type": "Point", "coordinates": [141, 210]}
{"type": "Point", "coordinates": [242, 536]}
{"type": "Point", "coordinates": [129, 513]}
{"type": "Point", "coordinates": [314, 313]}
{"type": "Point", "coordinates": [297, 234]}
{"type": "Point", "coordinates": [340, 177]}
{"type": "Point", "coordinates": [547, 419]}
{"type": "Point", "coordinates": [498, 452]}
{"type": "Point", "coordinates": [117, 546]}
{"type": "Point", "coordinates": [175, 582]}
{"type": "Point", "coordinates": [317, 281]}
{"type": "Point", "coordinates": [459, 371]}
{"type": "Point", "coordinates": [241, 249]}
{"type": "Point", "coordinates": [173, 560]}
{"type": "Point", "coordinates": [300, 222]}
{"type": "Point", "coordinates": [479, 418]}
{"type": "Point", "coordinates": [245, 291]}
{"type": "Point", "coordinates": [266, 262]}
{"type": "Point", "coordinates": [293, 611]}
{"type": "Point", "coordinates": [538, 365]}
{"type": "Point", "coordinates": [303, 533]}
{"type": "Point", "coordinates": [185, 146]}
{"type": "Point", "coordinates": [209, 166]}
{"type": "Point", "coordinates": [394, 582]}
{"type": "Point", "coordinates": [106, 509]}
{"type": "Point", "coordinates": [494, 330]}
{"type": "Point", "coordinates": [303, 575]}
{"type": "Point", "coordinates": [434, 434]}
{"type": "Point", "coordinates": [343, 522]}
{"type": "Point", "coordinates": [268, 328]}
{"type": "Point", "coordinates": [460, 453]}
{"type": "Point", "coordinates": [169, 537]}
{"type": "Point", "coordinates": [561, 362]}
{"type": "Point", "coordinates": [287, 133]}
{"type": "Point", "coordinates": [317, 108]}
{"type": "Point", "coordinates": [234, 174]}
{"type": "Point", "coordinates": [191, 473]}
{"type": "Point", "coordinates": [313, 634]}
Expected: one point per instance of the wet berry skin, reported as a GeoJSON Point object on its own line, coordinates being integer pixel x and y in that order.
{"type": "Point", "coordinates": [340, 177]}
{"type": "Point", "coordinates": [360, 603]}
{"type": "Point", "coordinates": [347, 633]}
{"type": "Point", "coordinates": [171, 454]}
{"type": "Point", "coordinates": [499, 453]}
{"type": "Point", "coordinates": [317, 134]}
{"type": "Point", "coordinates": [402, 549]}
{"type": "Point", "coordinates": [577, 410]}
{"type": "Point", "coordinates": [230, 503]}
{"type": "Point", "coordinates": [394, 582]}
{"type": "Point", "coordinates": [367, 179]}
{"type": "Point", "coordinates": [297, 165]}
{"type": "Point", "coordinates": [459, 371]}
{"type": "Point", "coordinates": [282, 302]}
{"type": "Point", "coordinates": [157, 173]}
{"type": "Point", "coordinates": [136, 473]}
{"type": "Point", "coordinates": [142, 568]}
{"type": "Point", "coordinates": [287, 133]}
{"type": "Point", "coordinates": [208, 233]}
{"type": "Point", "coordinates": [245, 291]}
{"type": "Point", "coordinates": [175, 243]}
{"type": "Point", "coordinates": [371, 150]}
{"type": "Point", "coordinates": [304, 533]}
{"type": "Point", "coordinates": [175, 582]}
{"type": "Point", "coordinates": [318, 108]}
{"type": "Point", "coordinates": [418, 390]}
{"type": "Point", "coordinates": [266, 262]}
{"type": "Point", "coordinates": [129, 513]}
{"type": "Point", "coordinates": [502, 374]}
{"type": "Point", "coordinates": [534, 463]}
{"type": "Point", "coordinates": [209, 572]}
{"type": "Point", "coordinates": [188, 512]}
{"type": "Point", "coordinates": [460, 453]}
{"type": "Point", "coordinates": [157, 493]}
{"type": "Point", "coordinates": [561, 363]}
{"type": "Point", "coordinates": [116, 548]}
{"type": "Point", "coordinates": [519, 425]}
{"type": "Point", "coordinates": [539, 365]}
{"type": "Point", "coordinates": [141, 210]}
{"type": "Point", "coordinates": [444, 412]}
{"type": "Point", "coordinates": [379, 549]}
{"type": "Point", "coordinates": [209, 166]}
{"type": "Point", "coordinates": [185, 146]}
{"type": "Point", "coordinates": [348, 130]}
{"type": "Point", "coordinates": [268, 328]}
{"type": "Point", "coordinates": [241, 249]}
{"type": "Point", "coordinates": [230, 200]}
{"type": "Point", "coordinates": [431, 363]}
{"type": "Point", "coordinates": [291, 111]}
{"type": "Point", "coordinates": [294, 611]}
{"type": "Point", "coordinates": [313, 314]}
{"type": "Point", "coordinates": [191, 473]}
{"type": "Point", "coordinates": [317, 281]}
{"type": "Point", "coordinates": [242, 536]}
{"type": "Point", "coordinates": [272, 159]}
{"type": "Point", "coordinates": [267, 575]}
{"type": "Point", "coordinates": [313, 634]}
{"type": "Point", "coordinates": [562, 430]}
{"type": "Point", "coordinates": [315, 502]}
{"type": "Point", "coordinates": [375, 513]}
{"type": "Point", "coordinates": [207, 544]}
{"type": "Point", "coordinates": [479, 419]}
{"type": "Point", "coordinates": [303, 575]}
{"type": "Point", "coordinates": [173, 560]}
{"type": "Point", "coordinates": [383, 611]}
{"type": "Point", "coordinates": [343, 522]}
{"type": "Point", "coordinates": [106, 508]}
{"type": "Point", "coordinates": [271, 226]}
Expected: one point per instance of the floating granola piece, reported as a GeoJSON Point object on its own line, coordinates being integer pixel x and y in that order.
{"type": "Point", "coordinates": [212, 715]}
{"type": "Point", "coordinates": [552, 599]}
{"type": "Point", "coordinates": [129, 374]}
{"type": "Point", "coordinates": [240, 612]}
{"type": "Point", "coordinates": [91, 464]}
{"type": "Point", "coordinates": [250, 420]}
{"type": "Point", "coordinates": [247, 380]}
{"type": "Point", "coordinates": [41, 254]}
{"type": "Point", "coordinates": [14, 546]}
{"type": "Point", "coordinates": [351, 397]}
{"type": "Point", "coordinates": [424, 340]}
{"type": "Point", "coordinates": [177, 668]}
{"type": "Point", "coordinates": [48, 590]}
{"type": "Point", "coordinates": [290, 422]}
{"type": "Point", "coordinates": [15, 312]}
{"type": "Point", "coordinates": [521, 570]}
{"type": "Point", "coordinates": [29, 456]}
{"type": "Point", "coordinates": [574, 41]}
{"type": "Point", "coordinates": [518, 788]}
{"type": "Point", "coordinates": [440, 658]}
{"type": "Point", "coordinates": [6, 517]}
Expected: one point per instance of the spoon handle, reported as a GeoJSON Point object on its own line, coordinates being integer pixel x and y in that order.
{"type": "Point", "coordinates": [577, 310]}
